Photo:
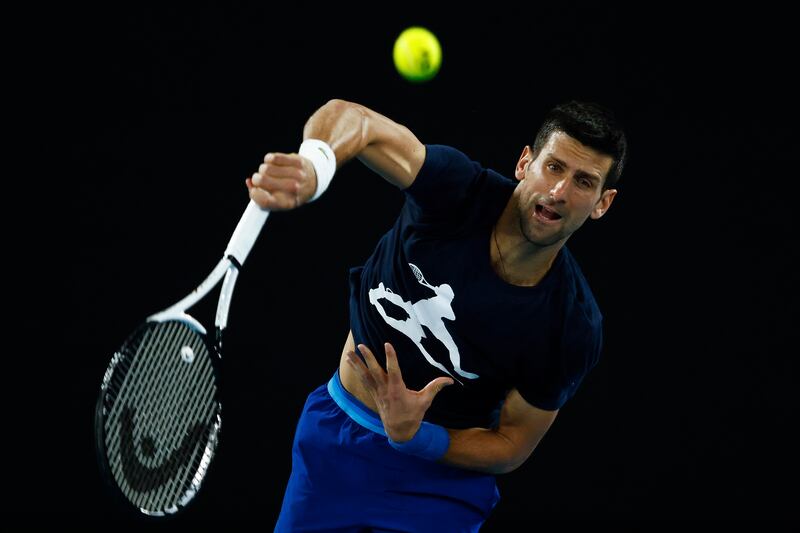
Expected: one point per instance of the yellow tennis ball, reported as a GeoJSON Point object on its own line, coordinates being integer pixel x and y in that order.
{"type": "Point", "coordinates": [417, 54]}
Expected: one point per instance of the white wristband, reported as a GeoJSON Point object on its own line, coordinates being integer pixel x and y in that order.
{"type": "Point", "coordinates": [324, 161]}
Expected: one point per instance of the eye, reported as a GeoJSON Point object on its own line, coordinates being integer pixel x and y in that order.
{"type": "Point", "coordinates": [553, 167]}
{"type": "Point", "coordinates": [586, 183]}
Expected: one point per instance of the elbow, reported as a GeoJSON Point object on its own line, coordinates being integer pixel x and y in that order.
{"type": "Point", "coordinates": [348, 120]}
{"type": "Point", "coordinates": [336, 109]}
{"type": "Point", "coordinates": [352, 110]}
{"type": "Point", "coordinates": [337, 103]}
{"type": "Point", "coordinates": [508, 466]}
{"type": "Point", "coordinates": [514, 458]}
{"type": "Point", "coordinates": [495, 467]}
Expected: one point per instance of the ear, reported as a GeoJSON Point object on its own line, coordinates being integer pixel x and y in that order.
{"type": "Point", "coordinates": [524, 159]}
{"type": "Point", "coordinates": [603, 203]}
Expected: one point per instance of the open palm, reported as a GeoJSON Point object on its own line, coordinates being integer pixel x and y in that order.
{"type": "Point", "coordinates": [401, 410]}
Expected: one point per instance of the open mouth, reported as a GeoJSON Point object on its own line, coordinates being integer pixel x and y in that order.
{"type": "Point", "coordinates": [545, 213]}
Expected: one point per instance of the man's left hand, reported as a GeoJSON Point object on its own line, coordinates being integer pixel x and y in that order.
{"type": "Point", "coordinates": [401, 410]}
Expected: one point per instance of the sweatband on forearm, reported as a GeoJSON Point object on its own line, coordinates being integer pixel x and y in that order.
{"type": "Point", "coordinates": [324, 160]}
{"type": "Point", "coordinates": [430, 442]}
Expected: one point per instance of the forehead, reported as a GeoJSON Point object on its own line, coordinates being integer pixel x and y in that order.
{"type": "Point", "coordinates": [576, 154]}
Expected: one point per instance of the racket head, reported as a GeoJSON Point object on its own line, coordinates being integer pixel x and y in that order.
{"type": "Point", "coordinates": [158, 415]}
{"type": "Point", "coordinates": [418, 273]}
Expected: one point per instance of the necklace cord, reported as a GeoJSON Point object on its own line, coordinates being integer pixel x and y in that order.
{"type": "Point", "coordinates": [499, 253]}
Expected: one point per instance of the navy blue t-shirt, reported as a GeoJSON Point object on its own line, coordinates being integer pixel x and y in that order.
{"type": "Point", "coordinates": [429, 289]}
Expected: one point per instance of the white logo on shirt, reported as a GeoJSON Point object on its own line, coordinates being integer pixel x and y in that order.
{"type": "Point", "coordinates": [430, 313]}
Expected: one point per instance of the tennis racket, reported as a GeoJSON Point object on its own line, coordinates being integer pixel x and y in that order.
{"type": "Point", "coordinates": [158, 416]}
{"type": "Point", "coordinates": [418, 274]}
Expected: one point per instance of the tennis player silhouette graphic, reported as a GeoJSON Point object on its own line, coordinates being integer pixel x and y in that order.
{"type": "Point", "coordinates": [428, 312]}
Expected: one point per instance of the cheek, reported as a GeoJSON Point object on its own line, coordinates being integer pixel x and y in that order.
{"type": "Point", "coordinates": [528, 198]}
{"type": "Point", "coordinates": [591, 210]}
{"type": "Point", "coordinates": [530, 186]}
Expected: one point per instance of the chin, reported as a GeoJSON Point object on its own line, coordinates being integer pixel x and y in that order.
{"type": "Point", "coordinates": [540, 240]}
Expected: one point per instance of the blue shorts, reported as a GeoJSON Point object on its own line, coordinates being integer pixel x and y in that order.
{"type": "Point", "coordinates": [346, 477]}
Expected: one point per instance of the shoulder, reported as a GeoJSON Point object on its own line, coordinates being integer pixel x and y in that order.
{"type": "Point", "coordinates": [447, 168]}
{"type": "Point", "coordinates": [441, 158]}
{"type": "Point", "coordinates": [449, 180]}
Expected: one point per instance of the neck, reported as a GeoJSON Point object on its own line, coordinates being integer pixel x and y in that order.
{"type": "Point", "coordinates": [514, 258]}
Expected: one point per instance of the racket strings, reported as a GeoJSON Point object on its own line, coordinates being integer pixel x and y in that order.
{"type": "Point", "coordinates": [173, 403]}
{"type": "Point", "coordinates": [141, 391]}
{"type": "Point", "coordinates": [168, 384]}
{"type": "Point", "coordinates": [198, 401]}
{"type": "Point", "coordinates": [165, 478]}
{"type": "Point", "coordinates": [169, 475]}
{"type": "Point", "coordinates": [156, 412]}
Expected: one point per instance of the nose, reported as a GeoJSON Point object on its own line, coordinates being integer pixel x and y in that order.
{"type": "Point", "coordinates": [559, 190]}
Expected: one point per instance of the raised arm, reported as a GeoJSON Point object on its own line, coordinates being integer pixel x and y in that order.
{"type": "Point", "coordinates": [285, 181]}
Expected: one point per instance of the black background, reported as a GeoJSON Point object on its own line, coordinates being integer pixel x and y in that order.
{"type": "Point", "coordinates": [146, 122]}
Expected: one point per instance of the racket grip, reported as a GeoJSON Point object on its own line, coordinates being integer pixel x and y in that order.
{"type": "Point", "coordinates": [246, 232]}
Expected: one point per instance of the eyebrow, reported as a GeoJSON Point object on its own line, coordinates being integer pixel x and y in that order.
{"type": "Point", "coordinates": [579, 173]}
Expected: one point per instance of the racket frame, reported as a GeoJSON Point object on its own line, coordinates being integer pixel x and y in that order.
{"type": "Point", "coordinates": [239, 246]}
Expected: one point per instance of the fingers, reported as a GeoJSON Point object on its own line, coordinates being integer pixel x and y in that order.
{"type": "Point", "coordinates": [392, 366]}
{"type": "Point", "coordinates": [434, 387]}
{"type": "Point", "coordinates": [370, 372]}
{"type": "Point", "coordinates": [277, 183]}
{"type": "Point", "coordinates": [278, 201]}
{"type": "Point", "coordinates": [361, 371]}
{"type": "Point", "coordinates": [372, 363]}
{"type": "Point", "coordinates": [280, 171]}
{"type": "Point", "coordinates": [291, 160]}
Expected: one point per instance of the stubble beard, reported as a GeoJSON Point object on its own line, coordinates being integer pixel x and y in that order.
{"type": "Point", "coordinates": [526, 224]}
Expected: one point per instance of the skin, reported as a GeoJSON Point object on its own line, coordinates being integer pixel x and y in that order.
{"type": "Point", "coordinates": [565, 178]}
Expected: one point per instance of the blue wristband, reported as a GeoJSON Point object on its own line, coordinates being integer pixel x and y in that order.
{"type": "Point", "coordinates": [430, 442]}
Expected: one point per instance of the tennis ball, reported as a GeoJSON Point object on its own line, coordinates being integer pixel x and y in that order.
{"type": "Point", "coordinates": [417, 54]}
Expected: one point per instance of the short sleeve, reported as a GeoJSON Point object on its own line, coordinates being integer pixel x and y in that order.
{"type": "Point", "coordinates": [576, 350]}
{"type": "Point", "coordinates": [445, 180]}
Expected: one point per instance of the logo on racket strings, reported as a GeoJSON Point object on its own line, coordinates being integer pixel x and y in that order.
{"type": "Point", "coordinates": [141, 477]}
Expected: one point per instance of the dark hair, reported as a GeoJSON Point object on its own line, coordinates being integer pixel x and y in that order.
{"type": "Point", "coordinates": [592, 125]}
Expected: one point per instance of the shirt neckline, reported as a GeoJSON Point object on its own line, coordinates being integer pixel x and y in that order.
{"type": "Point", "coordinates": [485, 240]}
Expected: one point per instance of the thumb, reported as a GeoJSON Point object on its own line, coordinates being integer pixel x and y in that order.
{"type": "Point", "coordinates": [434, 387]}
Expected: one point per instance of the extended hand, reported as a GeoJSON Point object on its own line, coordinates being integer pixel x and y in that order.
{"type": "Point", "coordinates": [401, 410]}
{"type": "Point", "coordinates": [283, 181]}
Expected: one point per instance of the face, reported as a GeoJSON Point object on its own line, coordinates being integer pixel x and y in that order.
{"type": "Point", "coordinates": [560, 189]}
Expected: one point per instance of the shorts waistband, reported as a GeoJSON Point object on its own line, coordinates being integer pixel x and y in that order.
{"type": "Point", "coordinates": [351, 405]}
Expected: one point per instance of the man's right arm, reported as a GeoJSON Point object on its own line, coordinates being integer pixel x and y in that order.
{"type": "Point", "coordinates": [285, 181]}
